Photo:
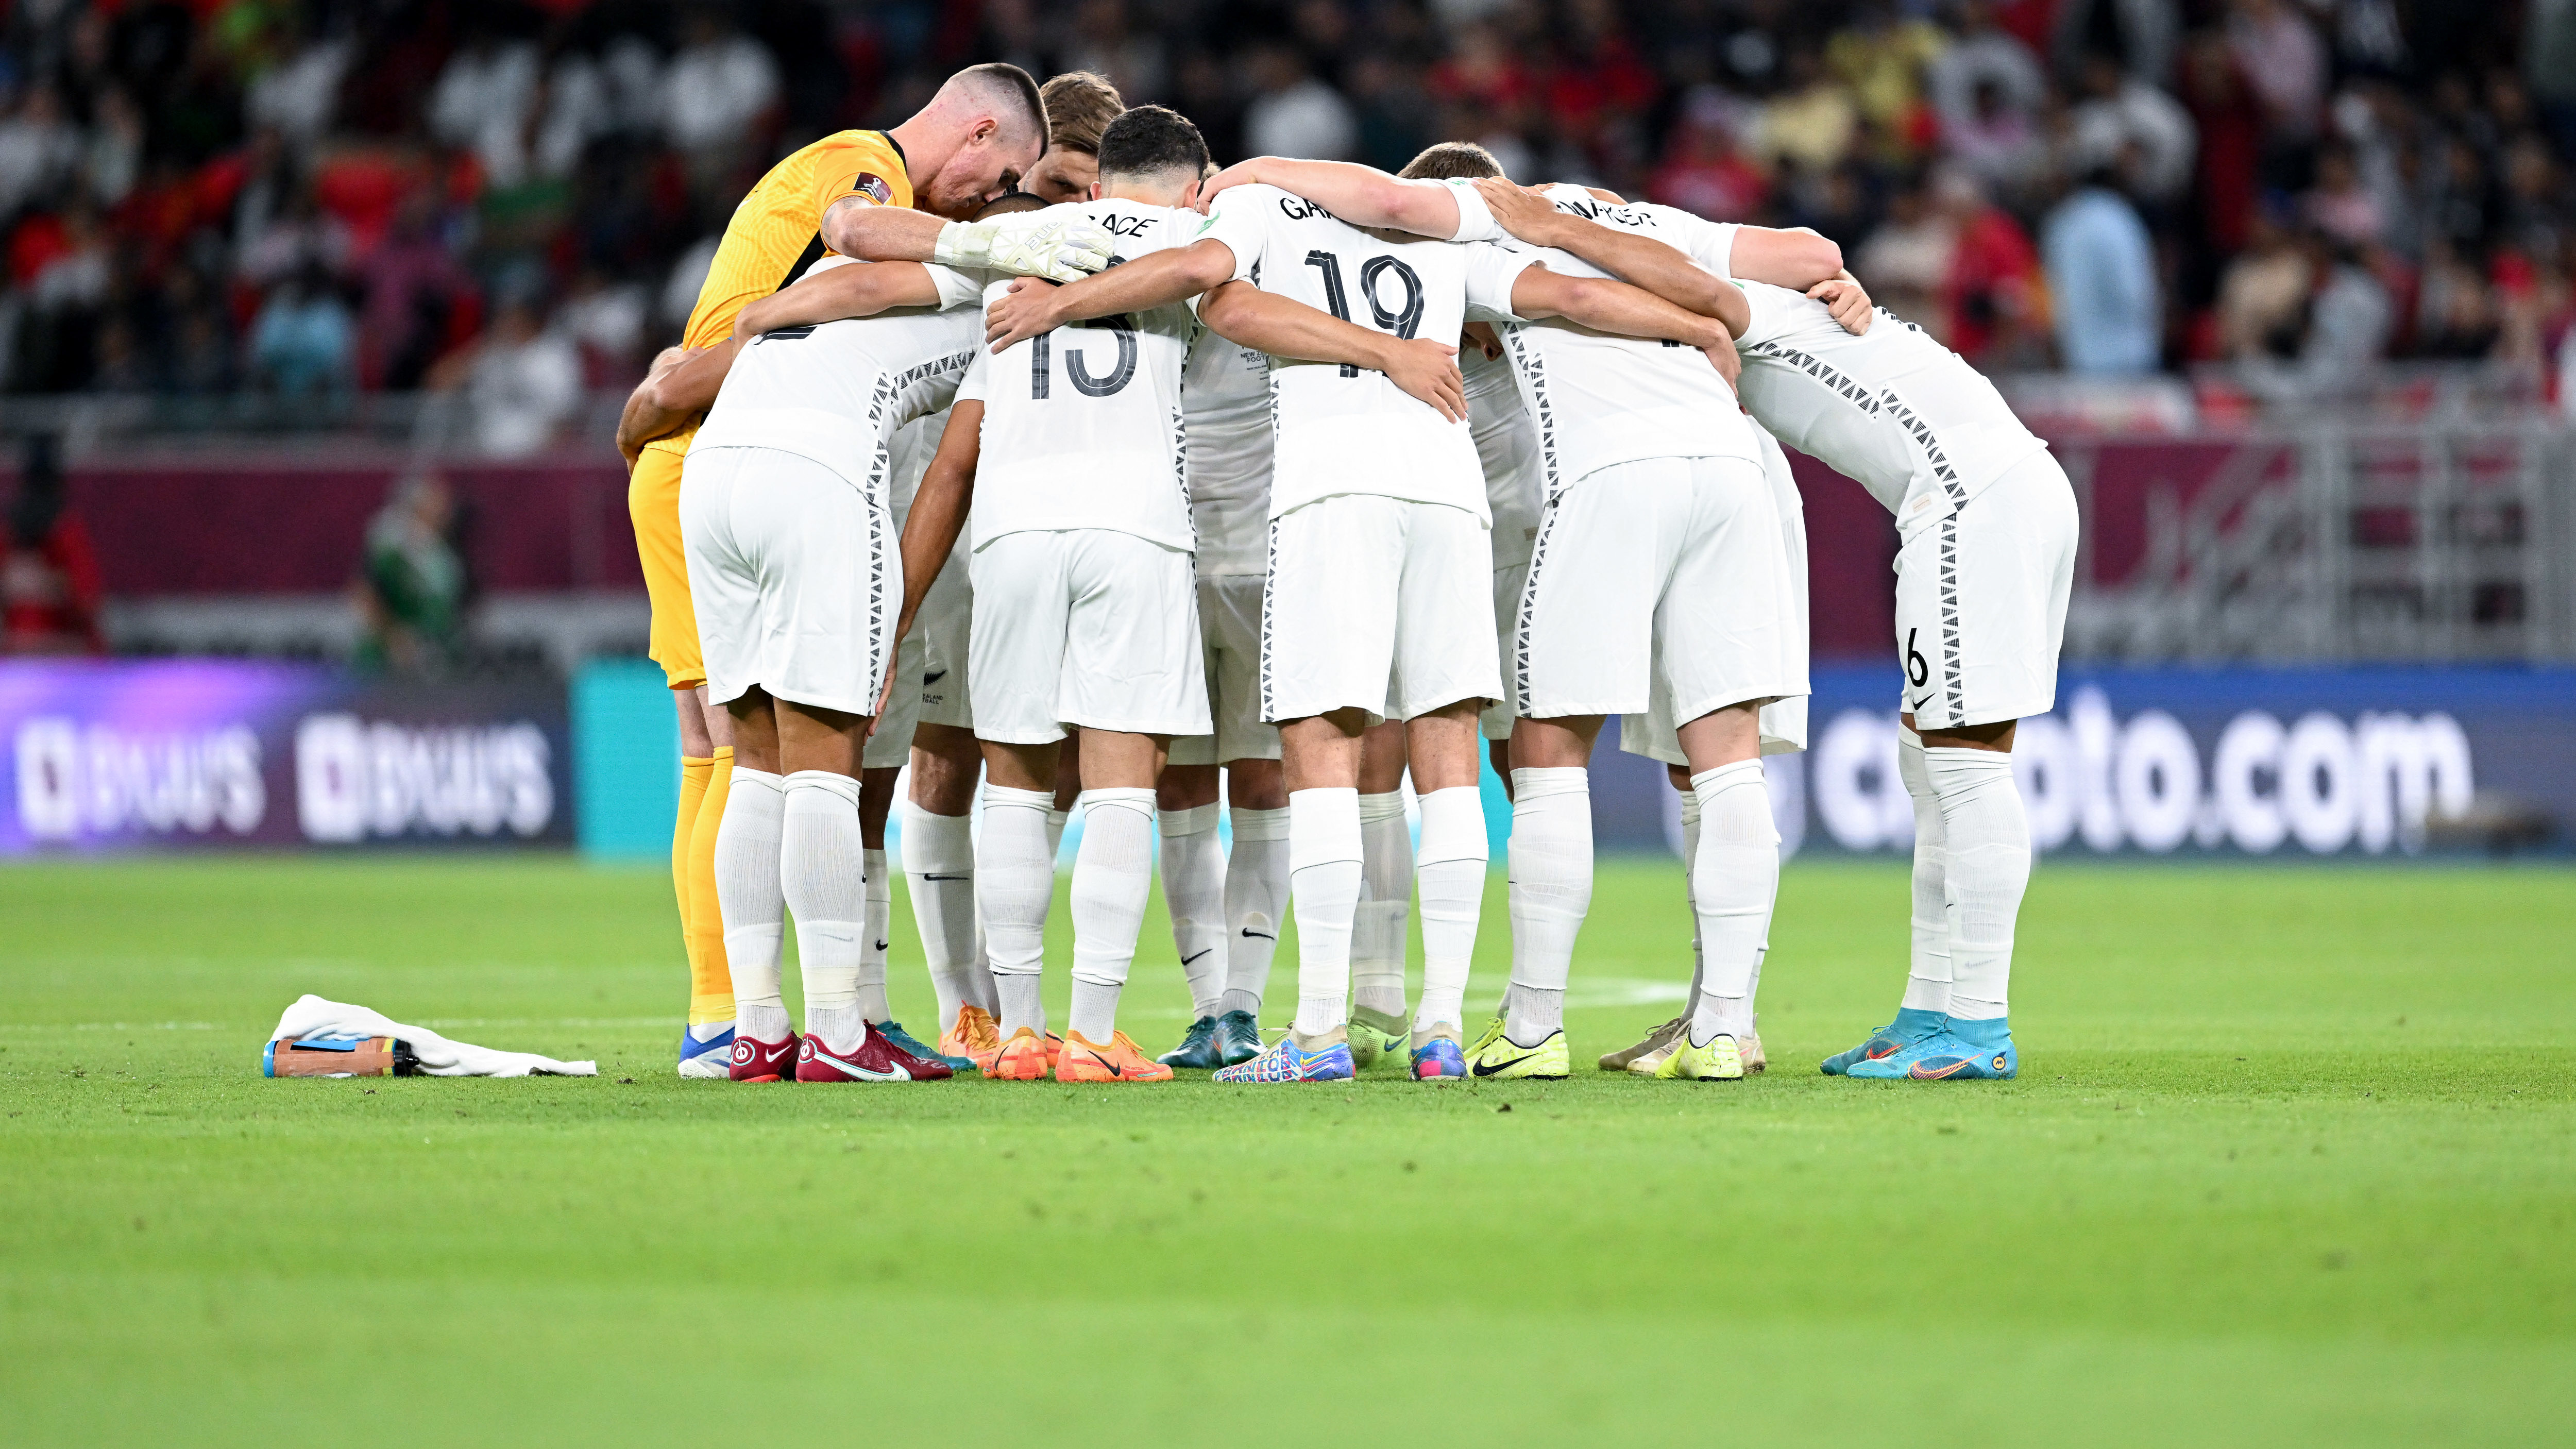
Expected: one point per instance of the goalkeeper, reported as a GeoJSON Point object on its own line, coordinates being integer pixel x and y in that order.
{"type": "Point", "coordinates": [978, 136]}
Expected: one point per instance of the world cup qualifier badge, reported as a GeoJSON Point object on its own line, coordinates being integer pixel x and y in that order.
{"type": "Point", "coordinates": [874, 187]}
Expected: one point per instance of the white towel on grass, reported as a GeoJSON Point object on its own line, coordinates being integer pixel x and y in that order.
{"type": "Point", "coordinates": [311, 1017]}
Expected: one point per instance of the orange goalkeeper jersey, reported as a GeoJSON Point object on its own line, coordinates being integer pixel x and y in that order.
{"type": "Point", "coordinates": [776, 233]}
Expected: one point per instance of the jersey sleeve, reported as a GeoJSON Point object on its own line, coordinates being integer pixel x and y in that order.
{"type": "Point", "coordinates": [1492, 268]}
{"type": "Point", "coordinates": [970, 388]}
{"type": "Point", "coordinates": [1709, 243]}
{"type": "Point", "coordinates": [866, 169]}
{"type": "Point", "coordinates": [1237, 221]}
{"type": "Point", "coordinates": [956, 287]}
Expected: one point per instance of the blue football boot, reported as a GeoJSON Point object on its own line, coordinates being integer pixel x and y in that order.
{"type": "Point", "coordinates": [1910, 1026]}
{"type": "Point", "coordinates": [1198, 1049]}
{"type": "Point", "coordinates": [903, 1040]}
{"type": "Point", "coordinates": [1969, 1051]}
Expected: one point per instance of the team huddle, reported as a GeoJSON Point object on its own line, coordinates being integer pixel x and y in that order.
{"type": "Point", "coordinates": [1021, 445]}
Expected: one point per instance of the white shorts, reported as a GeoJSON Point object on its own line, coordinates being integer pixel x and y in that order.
{"type": "Point", "coordinates": [1378, 604]}
{"type": "Point", "coordinates": [1981, 602]}
{"type": "Point", "coordinates": [795, 576]}
{"type": "Point", "coordinates": [1665, 571]}
{"type": "Point", "coordinates": [942, 626]}
{"type": "Point", "coordinates": [1230, 642]}
{"type": "Point", "coordinates": [1508, 582]}
{"type": "Point", "coordinates": [889, 744]}
{"type": "Point", "coordinates": [1084, 627]}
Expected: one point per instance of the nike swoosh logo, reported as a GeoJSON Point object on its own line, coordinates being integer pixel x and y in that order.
{"type": "Point", "coordinates": [948, 877]}
{"type": "Point", "coordinates": [1483, 1070]}
{"type": "Point", "coordinates": [1188, 959]}
{"type": "Point", "coordinates": [1106, 1062]}
{"type": "Point", "coordinates": [882, 944]}
{"type": "Point", "coordinates": [1918, 704]}
{"type": "Point", "coordinates": [853, 1069]}
{"type": "Point", "coordinates": [934, 678]}
{"type": "Point", "coordinates": [1259, 935]}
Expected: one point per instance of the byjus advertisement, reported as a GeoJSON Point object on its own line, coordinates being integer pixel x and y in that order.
{"type": "Point", "coordinates": [2185, 762]}
{"type": "Point", "coordinates": [179, 754]}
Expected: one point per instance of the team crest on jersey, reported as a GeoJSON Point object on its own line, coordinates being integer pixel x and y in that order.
{"type": "Point", "coordinates": [874, 188]}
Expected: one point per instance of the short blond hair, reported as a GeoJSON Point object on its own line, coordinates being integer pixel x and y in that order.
{"type": "Point", "coordinates": [1079, 107]}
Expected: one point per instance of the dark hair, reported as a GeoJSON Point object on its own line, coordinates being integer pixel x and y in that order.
{"type": "Point", "coordinates": [1150, 140]}
{"type": "Point", "coordinates": [1079, 107]}
{"type": "Point", "coordinates": [1451, 161]}
{"type": "Point", "coordinates": [1006, 81]}
{"type": "Point", "coordinates": [1009, 202]}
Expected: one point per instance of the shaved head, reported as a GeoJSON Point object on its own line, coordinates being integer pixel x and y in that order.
{"type": "Point", "coordinates": [977, 139]}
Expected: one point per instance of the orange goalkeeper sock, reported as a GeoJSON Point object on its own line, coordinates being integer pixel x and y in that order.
{"type": "Point", "coordinates": [710, 978]}
{"type": "Point", "coordinates": [694, 773]}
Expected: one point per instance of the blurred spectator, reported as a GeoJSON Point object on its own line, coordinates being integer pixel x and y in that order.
{"type": "Point", "coordinates": [115, 151]}
{"type": "Point", "coordinates": [2102, 282]}
{"type": "Point", "coordinates": [2339, 205]}
{"type": "Point", "coordinates": [524, 382]}
{"type": "Point", "coordinates": [1295, 114]}
{"type": "Point", "coordinates": [303, 344]}
{"type": "Point", "coordinates": [1994, 289]}
{"type": "Point", "coordinates": [414, 288]}
{"type": "Point", "coordinates": [2455, 312]}
{"type": "Point", "coordinates": [2139, 34]}
{"type": "Point", "coordinates": [2262, 302]}
{"type": "Point", "coordinates": [1811, 121]}
{"type": "Point", "coordinates": [298, 98]}
{"type": "Point", "coordinates": [1703, 171]}
{"type": "Point", "coordinates": [411, 587]}
{"type": "Point", "coordinates": [1882, 57]}
{"type": "Point", "coordinates": [1996, 143]}
{"type": "Point", "coordinates": [49, 580]}
{"type": "Point", "coordinates": [2120, 112]}
{"type": "Point", "coordinates": [718, 85]}
{"type": "Point", "coordinates": [38, 149]}
{"type": "Point", "coordinates": [2349, 318]}
{"type": "Point", "coordinates": [1984, 55]}
{"type": "Point", "coordinates": [2278, 54]}
{"type": "Point", "coordinates": [1907, 260]}
{"type": "Point", "coordinates": [483, 100]}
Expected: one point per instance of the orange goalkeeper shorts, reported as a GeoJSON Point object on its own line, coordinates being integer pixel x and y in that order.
{"type": "Point", "coordinates": [653, 502]}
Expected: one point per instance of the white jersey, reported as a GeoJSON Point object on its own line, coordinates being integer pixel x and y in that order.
{"type": "Point", "coordinates": [1891, 409]}
{"type": "Point", "coordinates": [837, 392]}
{"type": "Point", "coordinates": [1082, 425]}
{"type": "Point", "coordinates": [1225, 411]}
{"type": "Point", "coordinates": [1709, 243]}
{"type": "Point", "coordinates": [1507, 447]}
{"type": "Point", "coordinates": [1341, 429]}
{"type": "Point", "coordinates": [915, 444]}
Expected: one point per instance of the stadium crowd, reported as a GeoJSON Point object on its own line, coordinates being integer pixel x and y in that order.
{"type": "Point", "coordinates": [518, 200]}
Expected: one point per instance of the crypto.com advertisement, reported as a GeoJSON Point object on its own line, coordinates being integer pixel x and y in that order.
{"type": "Point", "coordinates": [200, 753]}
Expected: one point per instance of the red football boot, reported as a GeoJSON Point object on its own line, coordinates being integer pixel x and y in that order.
{"type": "Point", "coordinates": [875, 1060]}
{"type": "Point", "coordinates": [764, 1061]}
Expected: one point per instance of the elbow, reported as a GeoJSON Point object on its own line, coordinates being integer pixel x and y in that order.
{"type": "Point", "coordinates": [1822, 255]}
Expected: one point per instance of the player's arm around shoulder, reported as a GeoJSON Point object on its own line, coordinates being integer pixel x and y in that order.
{"type": "Point", "coordinates": [1640, 260]}
{"type": "Point", "coordinates": [1608, 305]}
{"type": "Point", "coordinates": [1285, 327]}
{"type": "Point", "coordinates": [855, 289]}
{"type": "Point", "coordinates": [940, 506]}
{"type": "Point", "coordinates": [1360, 195]}
{"type": "Point", "coordinates": [1157, 279]}
{"type": "Point", "coordinates": [683, 383]}
{"type": "Point", "coordinates": [1802, 260]}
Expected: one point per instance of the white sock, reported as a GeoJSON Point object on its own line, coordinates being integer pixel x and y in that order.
{"type": "Point", "coordinates": [1194, 893]}
{"type": "Point", "coordinates": [755, 912]}
{"type": "Point", "coordinates": [1451, 868]}
{"type": "Point", "coordinates": [873, 942]}
{"type": "Point", "coordinates": [1734, 882]}
{"type": "Point", "coordinates": [1987, 869]}
{"type": "Point", "coordinates": [1690, 865]}
{"type": "Point", "coordinates": [1324, 876]}
{"type": "Point", "coordinates": [1551, 889]}
{"type": "Point", "coordinates": [939, 867]}
{"type": "Point", "coordinates": [1056, 821]}
{"type": "Point", "coordinates": [1927, 976]}
{"type": "Point", "coordinates": [1256, 901]}
{"type": "Point", "coordinates": [1386, 903]}
{"type": "Point", "coordinates": [1113, 878]}
{"type": "Point", "coordinates": [822, 869]}
{"type": "Point", "coordinates": [1014, 884]}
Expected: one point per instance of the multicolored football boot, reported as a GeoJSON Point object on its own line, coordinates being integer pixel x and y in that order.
{"type": "Point", "coordinates": [1026, 1057]}
{"type": "Point", "coordinates": [909, 1044]}
{"type": "Point", "coordinates": [1377, 1035]}
{"type": "Point", "coordinates": [1118, 1059]}
{"type": "Point", "coordinates": [1948, 1056]}
{"type": "Point", "coordinates": [711, 1059]}
{"type": "Point", "coordinates": [764, 1061]}
{"type": "Point", "coordinates": [875, 1059]}
{"type": "Point", "coordinates": [1238, 1037]}
{"type": "Point", "coordinates": [1327, 1060]}
{"type": "Point", "coordinates": [1198, 1048]}
{"type": "Point", "coordinates": [1500, 1057]}
{"type": "Point", "coordinates": [1435, 1053]}
{"type": "Point", "coordinates": [1910, 1026]}
{"type": "Point", "coordinates": [1719, 1059]}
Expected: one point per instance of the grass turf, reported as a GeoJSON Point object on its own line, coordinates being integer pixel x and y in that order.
{"type": "Point", "coordinates": [2293, 1154]}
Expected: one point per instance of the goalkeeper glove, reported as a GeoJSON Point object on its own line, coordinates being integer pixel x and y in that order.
{"type": "Point", "coordinates": [1030, 244]}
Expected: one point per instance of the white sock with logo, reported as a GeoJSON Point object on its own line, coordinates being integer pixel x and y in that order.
{"type": "Point", "coordinates": [823, 874]}
{"type": "Point", "coordinates": [1256, 901]}
{"type": "Point", "coordinates": [1194, 893]}
{"type": "Point", "coordinates": [1550, 892]}
{"type": "Point", "coordinates": [1735, 880]}
{"type": "Point", "coordinates": [1113, 879]}
{"type": "Point", "coordinates": [1988, 840]}
{"type": "Point", "coordinates": [1451, 868]}
{"type": "Point", "coordinates": [1324, 875]}
{"type": "Point", "coordinates": [1927, 974]}
{"type": "Point", "coordinates": [1386, 904]}
{"type": "Point", "coordinates": [1014, 885]}
{"type": "Point", "coordinates": [755, 913]}
{"type": "Point", "coordinates": [939, 869]}
{"type": "Point", "coordinates": [874, 942]}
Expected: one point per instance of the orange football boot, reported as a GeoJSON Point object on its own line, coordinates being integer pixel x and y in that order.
{"type": "Point", "coordinates": [1120, 1061]}
{"type": "Point", "coordinates": [1021, 1059]}
{"type": "Point", "coordinates": [973, 1034]}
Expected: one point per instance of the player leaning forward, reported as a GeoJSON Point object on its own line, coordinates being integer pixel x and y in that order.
{"type": "Point", "coordinates": [1986, 524]}
{"type": "Point", "coordinates": [1658, 570]}
{"type": "Point", "coordinates": [1378, 604]}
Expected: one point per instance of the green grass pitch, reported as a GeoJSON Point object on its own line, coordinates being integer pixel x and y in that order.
{"type": "Point", "coordinates": [2293, 1160]}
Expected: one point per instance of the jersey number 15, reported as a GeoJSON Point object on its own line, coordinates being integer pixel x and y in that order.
{"type": "Point", "coordinates": [1042, 362]}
